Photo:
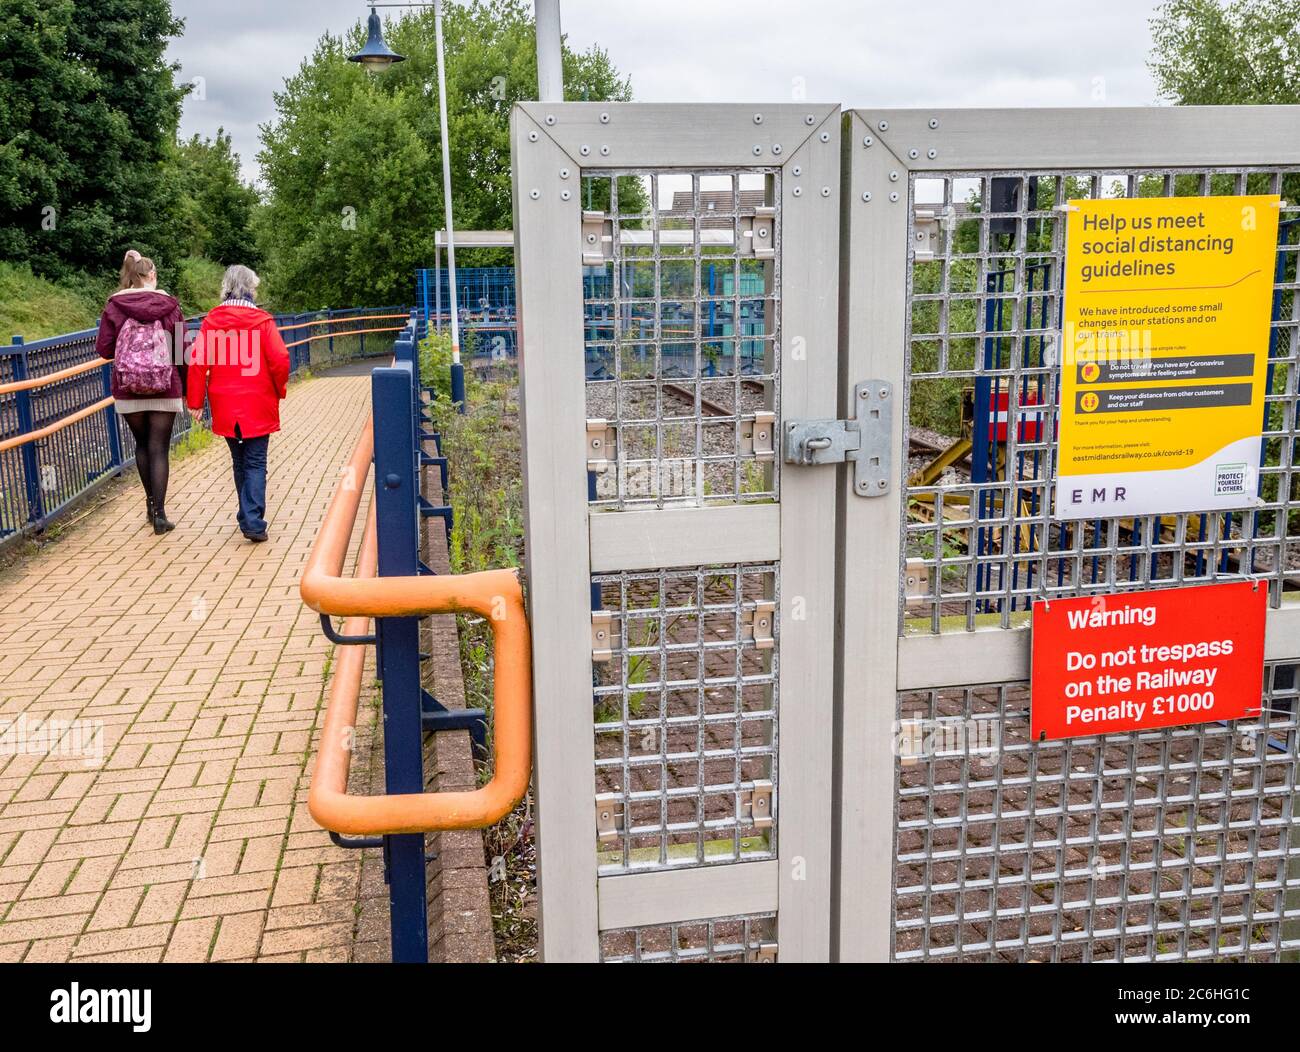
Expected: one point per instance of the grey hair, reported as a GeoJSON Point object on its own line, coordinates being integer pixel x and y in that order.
{"type": "Point", "coordinates": [239, 282]}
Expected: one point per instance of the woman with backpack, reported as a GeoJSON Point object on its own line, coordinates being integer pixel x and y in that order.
{"type": "Point", "coordinates": [138, 333]}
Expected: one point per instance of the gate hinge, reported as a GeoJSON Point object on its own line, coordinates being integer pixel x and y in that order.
{"type": "Point", "coordinates": [604, 631]}
{"type": "Point", "coordinates": [756, 435]}
{"type": "Point", "coordinates": [763, 953]}
{"type": "Point", "coordinates": [600, 445]}
{"type": "Point", "coordinates": [758, 233]}
{"type": "Point", "coordinates": [597, 239]}
{"type": "Point", "coordinates": [926, 226]}
{"type": "Point", "coordinates": [866, 440]}
{"type": "Point", "coordinates": [606, 817]}
{"type": "Point", "coordinates": [756, 621]}
{"type": "Point", "coordinates": [756, 804]}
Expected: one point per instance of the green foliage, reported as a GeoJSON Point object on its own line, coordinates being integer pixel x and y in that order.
{"type": "Point", "coordinates": [215, 209]}
{"type": "Point", "coordinates": [35, 307]}
{"type": "Point", "coordinates": [89, 111]}
{"type": "Point", "coordinates": [197, 285]}
{"type": "Point", "coordinates": [1242, 52]}
{"type": "Point", "coordinates": [353, 160]}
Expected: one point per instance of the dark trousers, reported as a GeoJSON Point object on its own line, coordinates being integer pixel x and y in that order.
{"type": "Point", "coordinates": [248, 456]}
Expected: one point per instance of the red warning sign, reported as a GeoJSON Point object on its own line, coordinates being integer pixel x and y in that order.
{"type": "Point", "coordinates": [1108, 664]}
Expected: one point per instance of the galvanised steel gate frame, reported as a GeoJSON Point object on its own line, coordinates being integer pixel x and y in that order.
{"type": "Point", "coordinates": [683, 734]}
{"type": "Point", "coordinates": [1170, 845]}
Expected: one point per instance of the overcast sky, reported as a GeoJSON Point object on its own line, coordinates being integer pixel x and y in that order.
{"type": "Point", "coordinates": [940, 53]}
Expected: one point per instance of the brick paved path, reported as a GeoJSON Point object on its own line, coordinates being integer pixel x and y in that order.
{"type": "Point", "coordinates": [190, 840]}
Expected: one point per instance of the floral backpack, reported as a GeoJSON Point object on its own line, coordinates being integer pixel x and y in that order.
{"type": "Point", "coordinates": [143, 358]}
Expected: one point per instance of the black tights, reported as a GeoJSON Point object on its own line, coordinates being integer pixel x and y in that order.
{"type": "Point", "coordinates": [153, 439]}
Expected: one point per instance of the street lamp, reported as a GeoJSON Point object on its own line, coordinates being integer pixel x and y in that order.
{"type": "Point", "coordinates": [376, 56]}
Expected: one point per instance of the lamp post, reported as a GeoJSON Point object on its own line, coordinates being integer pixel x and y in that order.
{"type": "Point", "coordinates": [376, 57]}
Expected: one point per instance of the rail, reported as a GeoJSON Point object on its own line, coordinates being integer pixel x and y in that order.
{"type": "Point", "coordinates": [494, 594]}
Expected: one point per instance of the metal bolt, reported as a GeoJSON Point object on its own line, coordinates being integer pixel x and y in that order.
{"type": "Point", "coordinates": [893, 177]}
{"type": "Point", "coordinates": [776, 147]}
{"type": "Point", "coordinates": [534, 193]}
{"type": "Point", "coordinates": [550, 118]}
{"type": "Point", "coordinates": [914, 153]}
{"type": "Point", "coordinates": [825, 136]}
{"type": "Point", "coordinates": [862, 485]}
{"type": "Point", "coordinates": [826, 191]}
{"type": "Point", "coordinates": [758, 118]}
{"type": "Point", "coordinates": [564, 173]}
{"type": "Point", "coordinates": [882, 483]}
{"type": "Point", "coordinates": [934, 122]}
{"type": "Point", "coordinates": [591, 240]}
{"type": "Point", "coordinates": [866, 195]}
{"type": "Point", "coordinates": [894, 196]}
{"type": "Point", "coordinates": [392, 481]}
{"type": "Point", "coordinates": [867, 140]}
{"type": "Point", "coordinates": [884, 392]}
{"type": "Point", "coordinates": [604, 118]}
{"type": "Point", "coordinates": [565, 195]}
{"type": "Point", "coordinates": [797, 191]}
{"type": "Point", "coordinates": [809, 119]}
{"type": "Point", "coordinates": [762, 231]}
{"type": "Point", "coordinates": [932, 153]}
{"type": "Point", "coordinates": [532, 136]}
{"type": "Point", "coordinates": [604, 151]}
{"type": "Point", "coordinates": [883, 125]}
{"type": "Point", "coordinates": [757, 149]}
{"type": "Point", "coordinates": [796, 170]}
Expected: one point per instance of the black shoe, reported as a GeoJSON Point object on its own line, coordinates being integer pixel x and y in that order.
{"type": "Point", "coordinates": [148, 509]}
{"type": "Point", "coordinates": [161, 524]}
{"type": "Point", "coordinates": [256, 538]}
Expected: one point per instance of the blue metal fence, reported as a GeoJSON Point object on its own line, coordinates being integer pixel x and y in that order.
{"type": "Point", "coordinates": [402, 499]}
{"type": "Point", "coordinates": [40, 480]}
{"type": "Point", "coordinates": [628, 312]}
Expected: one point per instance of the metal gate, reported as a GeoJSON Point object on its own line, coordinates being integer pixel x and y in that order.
{"type": "Point", "coordinates": [678, 297]}
{"type": "Point", "coordinates": [959, 837]}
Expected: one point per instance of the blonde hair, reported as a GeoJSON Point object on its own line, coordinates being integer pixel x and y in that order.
{"type": "Point", "coordinates": [135, 269]}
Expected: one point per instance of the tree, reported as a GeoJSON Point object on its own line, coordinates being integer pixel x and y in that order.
{"type": "Point", "coordinates": [88, 115]}
{"type": "Point", "coordinates": [214, 207]}
{"type": "Point", "coordinates": [353, 161]}
{"type": "Point", "coordinates": [1244, 52]}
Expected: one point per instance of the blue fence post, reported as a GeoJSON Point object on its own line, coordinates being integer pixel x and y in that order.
{"type": "Point", "coordinates": [396, 500]}
{"type": "Point", "coordinates": [113, 426]}
{"type": "Point", "coordinates": [31, 470]}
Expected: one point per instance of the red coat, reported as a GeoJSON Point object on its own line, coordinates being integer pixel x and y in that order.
{"type": "Point", "coordinates": [240, 362]}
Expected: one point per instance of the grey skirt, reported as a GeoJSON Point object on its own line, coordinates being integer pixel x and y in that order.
{"type": "Point", "coordinates": [148, 405]}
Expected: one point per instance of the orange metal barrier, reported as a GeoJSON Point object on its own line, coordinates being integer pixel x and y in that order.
{"type": "Point", "coordinates": [58, 425]}
{"type": "Point", "coordinates": [63, 374]}
{"type": "Point", "coordinates": [494, 594]}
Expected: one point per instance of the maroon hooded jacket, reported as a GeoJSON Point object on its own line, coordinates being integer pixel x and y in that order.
{"type": "Point", "coordinates": [145, 306]}
{"type": "Point", "coordinates": [240, 361]}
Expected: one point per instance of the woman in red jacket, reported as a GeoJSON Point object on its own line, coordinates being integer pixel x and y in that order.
{"type": "Point", "coordinates": [138, 332]}
{"type": "Point", "coordinates": [240, 362]}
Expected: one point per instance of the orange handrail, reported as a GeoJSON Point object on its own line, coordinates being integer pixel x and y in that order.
{"type": "Point", "coordinates": [340, 335]}
{"type": "Point", "coordinates": [495, 594]}
{"type": "Point", "coordinates": [51, 378]}
{"type": "Point", "coordinates": [58, 425]}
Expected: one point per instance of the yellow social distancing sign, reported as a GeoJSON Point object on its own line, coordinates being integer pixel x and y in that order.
{"type": "Point", "coordinates": [1165, 333]}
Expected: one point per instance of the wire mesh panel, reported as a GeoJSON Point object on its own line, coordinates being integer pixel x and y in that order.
{"type": "Point", "coordinates": [686, 716]}
{"type": "Point", "coordinates": [1178, 844]}
{"type": "Point", "coordinates": [983, 367]}
{"type": "Point", "coordinates": [717, 941]}
{"type": "Point", "coordinates": [680, 328]}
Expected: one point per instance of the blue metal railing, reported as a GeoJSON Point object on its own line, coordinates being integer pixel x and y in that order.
{"type": "Point", "coordinates": [402, 499]}
{"type": "Point", "coordinates": [40, 480]}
